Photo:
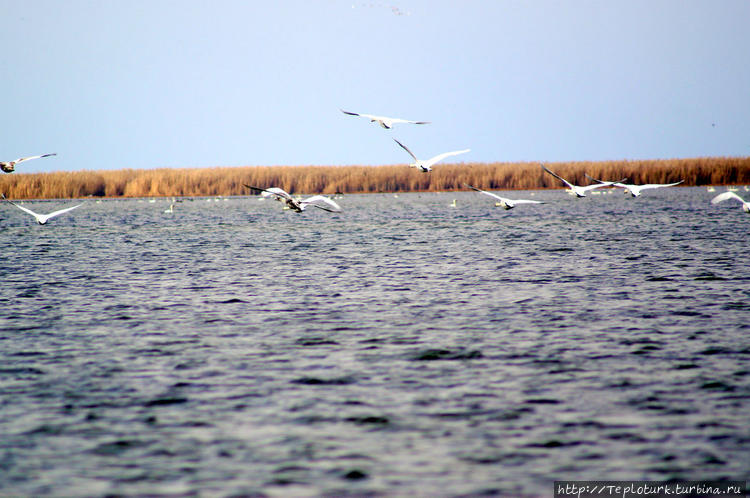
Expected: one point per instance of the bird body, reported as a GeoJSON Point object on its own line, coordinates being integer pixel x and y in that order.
{"type": "Point", "coordinates": [298, 205]}
{"type": "Point", "coordinates": [503, 201]}
{"type": "Point", "coordinates": [383, 121]}
{"type": "Point", "coordinates": [731, 195]}
{"type": "Point", "coordinates": [426, 166]}
{"type": "Point", "coordinates": [42, 219]}
{"type": "Point", "coordinates": [10, 166]}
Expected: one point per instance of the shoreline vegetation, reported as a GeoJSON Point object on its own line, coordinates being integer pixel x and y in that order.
{"type": "Point", "coordinates": [228, 181]}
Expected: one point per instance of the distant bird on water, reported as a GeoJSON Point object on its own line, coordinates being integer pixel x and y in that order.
{"type": "Point", "coordinates": [504, 202]}
{"type": "Point", "coordinates": [731, 195]}
{"type": "Point", "coordinates": [384, 121]}
{"type": "Point", "coordinates": [426, 166]}
{"type": "Point", "coordinates": [577, 190]}
{"type": "Point", "coordinates": [10, 166]}
{"type": "Point", "coordinates": [318, 201]}
{"type": "Point", "coordinates": [42, 219]}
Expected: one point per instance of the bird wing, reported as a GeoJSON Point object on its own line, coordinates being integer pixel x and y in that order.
{"type": "Point", "coordinates": [398, 120]}
{"type": "Point", "coordinates": [607, 183]}
{"type": "Point", "coordinates": [658, 185]}
{"type": "Point", "coordinates": [726, 195]}
{"type": "Point", "coordinates": [485, 192]}
{"type": "Point", "coordinates": [406, 149]}
{"type": "Point", "coordinates": [350, 113]}
{"type": "Point", "coordinates": [32, 213]}
{"type": "Point", "coordinates": [524, 201]}
{"type": "Point", "coordinates": [594, 186]}
{"type": "Point", "coordinates": [442, 156]}
{"type": "Point", "coordinates": [29, 158]}
{"type": "Point", "coordinates": [61, 211]}
{"type": "Point", "coordinates": [566, 182]}
{"type": "Point", "coordinates": [278, 192]}
{"type": "Point", "coordinates": [316, 199]}
{"type": "Point", "coordinates": [372, 117]}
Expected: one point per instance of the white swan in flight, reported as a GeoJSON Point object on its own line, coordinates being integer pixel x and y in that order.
{"type": "Point", "coordinates": [578, 190]}
{"type": "Point", "coordinates": [42, 219]}
{"type": "Point", "coordinates": [10, 166]}
{"type": "Point", "coordinates": [426, 166]}
{"type": "Point", "coordinates": [635, 190]}
{"type": "Point", "coordinates": [504, 202]}
{"type": "Point", "coordinates": [731, 195]}
{"type": "Point", "coordinates": [384, 121]}
{"type": "Point", "coordinates": [319, 201]}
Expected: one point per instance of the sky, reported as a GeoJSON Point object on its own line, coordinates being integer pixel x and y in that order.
{"type": "Point", "coordinates": [109, 84]}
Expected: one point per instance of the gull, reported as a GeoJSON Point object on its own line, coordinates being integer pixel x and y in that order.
{"type": "Point", "coordinates": [298, 205]}
{"type": "Point", "coordinates": [426, 166]}
{"type": "Point", "coordinates": [10, 166]}
{"type": "Point", "coordinates": [385, 122]}
{"type": "Point", "coordinates": [635, 190]}
{"type": "Point", "coordinates": [731, 195]}
{"type": "Point", "coordinates": [577, 190]}
{"type": "Point", "coordinates": [42, 219]}
{"type": "Point", "coordinates": [504, 202]}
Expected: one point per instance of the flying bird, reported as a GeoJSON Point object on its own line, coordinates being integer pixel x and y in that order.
{"type": "Point", "coordinates": [635, 190]}
{"type": "Point", "coordinates": [10, 166]}
{"type": "Point", "coordinates": [504, 202]}
{"type": "Point", "coordinates": [426, 166]}
{"type": "Point", "coordinates": [42, 219]}
{"type": "Point", "coordinates": [384, 121]}
{"type": "Point", "coordinates": [319, 201]}
{"type": "Point", "coordinates": [577, 190]}
{"type": "Point", "coordinates": [731, 195]}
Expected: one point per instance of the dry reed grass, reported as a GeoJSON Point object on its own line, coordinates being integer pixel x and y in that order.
{"type": "Point", "coordinates": [363, 179]}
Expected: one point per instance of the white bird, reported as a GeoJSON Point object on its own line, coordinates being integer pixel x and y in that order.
{"type": "Point", "coordinates": [384, 121]}
{"type": "Point", "coordinates": [426, 166]}
{"type": "Point", "coordinates": [731, 195]}
{"type": "Point", "coordinates": [42, 219]}
{"type": "Point", "coordinates": [504, 202]}
{"type": "Point", "coordinates": [10, 166]}
{"type": "Point", "coordinates": [298, 205]}
{"type": "Point", "coordinates": [577, 190]}
{"type": "Point", "coordinates": [635, 190]}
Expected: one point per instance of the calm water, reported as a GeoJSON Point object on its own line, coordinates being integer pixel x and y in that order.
{"type": "Point", "coordinates": [401, 347]}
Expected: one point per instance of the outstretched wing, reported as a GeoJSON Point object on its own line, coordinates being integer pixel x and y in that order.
{"type": "Point", "coordinates": [398, 120]}
{"type": "Point", "coordinates": [317, 200]}
{"type": "Point", "coordinates": [406, 149]}
{"type": "Point", "coordinates": [275, 191]}
{"type": "Point", "coordinates": [524, 201]}
{"type": "Point", "coordinates": [484, 192]}
{"type": "Point", "coordinates": [61, 211]}
{"type": "Point", "coordinates": [606, 183]}
{"type": "Point", "coordinates": [32, 213]}
{"type": "Point", "coordinates": [368, 116]}
{"type": "Point", "coordinates": [566, 182]}
{"type": "Point", "coordinates": [658, 185]}
{"type": "Point", "coordinates": [725, 196]}
{"type": "Point", "coordinates": [22, 159]}
{"type": "Point", "coordinates": [442, 156]}
{"type": "Point", "coordinates": [594, 186]}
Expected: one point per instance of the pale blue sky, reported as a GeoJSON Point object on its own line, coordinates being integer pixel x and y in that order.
{"type": "Point", "coordinates": [193, 83]}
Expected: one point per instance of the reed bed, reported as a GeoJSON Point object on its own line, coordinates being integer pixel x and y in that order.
{"type": "Point", "coordinates": [363, 179]}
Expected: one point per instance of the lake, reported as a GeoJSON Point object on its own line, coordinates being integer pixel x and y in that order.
{"type": "Point", "coordinates": [400, 347]}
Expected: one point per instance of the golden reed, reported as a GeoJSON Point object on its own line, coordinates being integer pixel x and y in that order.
{"type": "Point", "coordinates": [363, 179]}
